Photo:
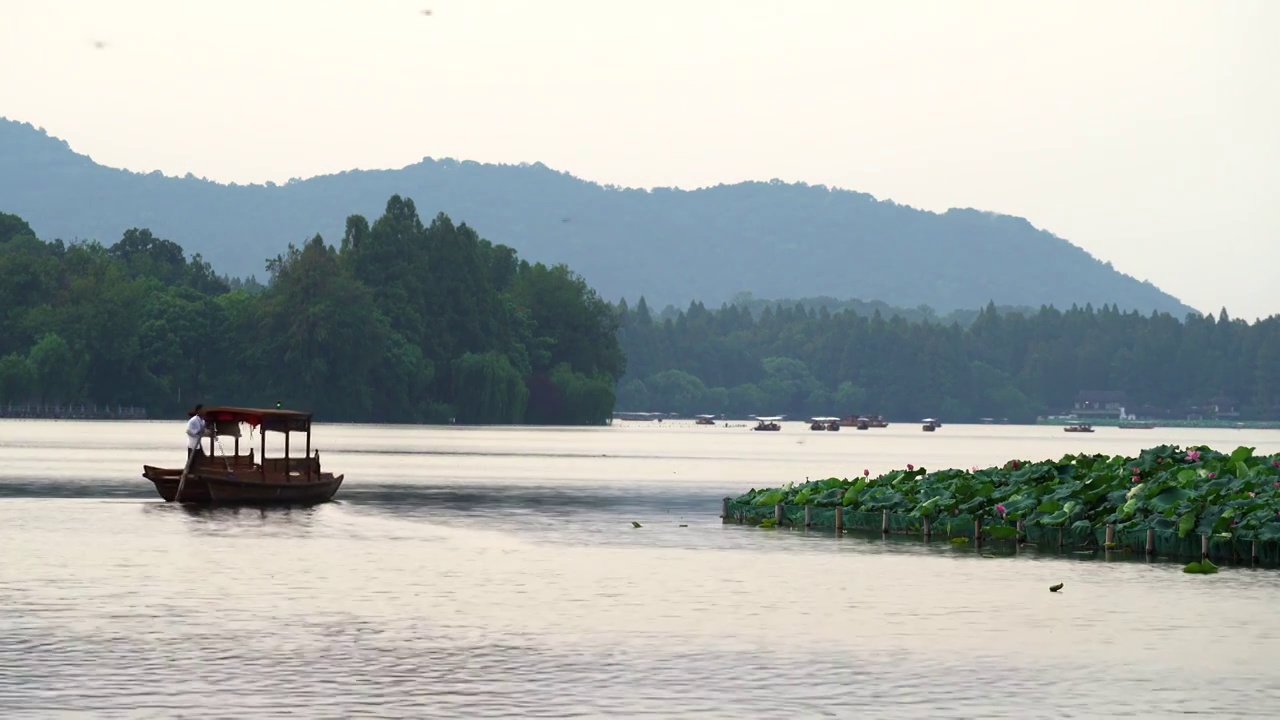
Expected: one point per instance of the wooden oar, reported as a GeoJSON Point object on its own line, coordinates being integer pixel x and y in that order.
{"type": "Point", "coordinates": [177, 497]}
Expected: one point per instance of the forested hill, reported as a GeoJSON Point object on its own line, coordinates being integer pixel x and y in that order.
{"type": "Point", "coordinates": [804, 362]}
{"type": "Point", "coordinates": [402, 322]}
{"type": "Point", "coordinates": [672, 246]}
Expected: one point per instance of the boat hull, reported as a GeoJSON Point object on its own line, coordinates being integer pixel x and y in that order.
{"type": "Point", "coordinates": [205, 487]}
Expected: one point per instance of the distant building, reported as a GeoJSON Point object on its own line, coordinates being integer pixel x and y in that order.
{"type": "Point", "coordinates": [1100, 403]}
{"type": "Point", "coordinates": [1222, 406]}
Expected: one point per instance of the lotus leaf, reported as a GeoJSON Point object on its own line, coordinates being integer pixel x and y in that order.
{"type": "Point", "coordinates": [1234, 492]}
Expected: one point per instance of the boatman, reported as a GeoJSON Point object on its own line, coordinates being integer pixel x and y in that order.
{"type": "Point", "coordinates": [195, 431]}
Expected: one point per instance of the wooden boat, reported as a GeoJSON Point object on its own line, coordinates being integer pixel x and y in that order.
{"type": "Point", "coordinates": [862, 422]}
{"type": "Point", "coordinates": [238, 479]}
{"type": "Point", "coordinates": [1078, 427]}
{"type": "Point", "coordinates": [930, 425]}
{"type": "Point", "coordinates": [829, 424]}
{"type": "Point", "coordinates": [768, 423]}
{"type": "Point", "coordinates": [705, 420]}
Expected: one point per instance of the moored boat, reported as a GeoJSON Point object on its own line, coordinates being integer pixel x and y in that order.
{"type": "Point", "coordinates": [1078, 427]}
{"type": "Point", "coordinates": [930, 425]}
{"type": "Point", "coordinates": [240, 480]}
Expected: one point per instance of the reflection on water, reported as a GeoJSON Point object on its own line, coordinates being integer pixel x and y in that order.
{"type": "Point", "coordinates": [454, 581]}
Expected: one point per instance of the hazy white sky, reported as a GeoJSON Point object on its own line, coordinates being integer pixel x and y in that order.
{"type": "Point", "coordinates": [1144, 132]}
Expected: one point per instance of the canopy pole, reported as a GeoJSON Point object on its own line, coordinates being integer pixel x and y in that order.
{"type": "Point", "coordinates": [262, 459]}
{"type": "Point", "coordinates": [308, 452]}
{"type": "Point", "coordinates": [287, 475]}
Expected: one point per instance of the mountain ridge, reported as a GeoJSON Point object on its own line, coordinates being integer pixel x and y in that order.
{"type": "Point", "coordinates": [671, 245]}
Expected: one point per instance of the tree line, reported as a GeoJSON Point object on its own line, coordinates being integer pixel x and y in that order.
{"type": "Point", "coordinates": [802, 361]}
{"type": "Point", "coordinates": [401, 322]}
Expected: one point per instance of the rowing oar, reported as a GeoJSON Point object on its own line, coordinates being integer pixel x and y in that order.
{"type": "Point", "coordinates": [177, 497]}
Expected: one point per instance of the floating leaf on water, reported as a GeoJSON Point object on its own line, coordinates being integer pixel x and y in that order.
{"type": "Point", "coordinates": [1203, 567]}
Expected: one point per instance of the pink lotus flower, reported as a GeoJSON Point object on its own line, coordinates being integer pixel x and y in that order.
{"type": "Point", "coordinates": [910, 466]}
{"type": "Point", "coordinates": [1136, 471]}
{"type": "Point", "coordinates": [1137, 479]}
{"type": "Point", "coordinates": [1193, 456]}
{"type": "Point", "coordinates": [1253, 495]}
{"type": "Point", "coordinates": [1275, 463]}
{"type": "Point", "coordinates": [975, 469]}
{"type": "Point", "coordinates": [1159, 461]}
{"type": "Point", "coordinates": [866, 473]}
{"type": "Point", "coordinates": [1015, 464]}
{"type": "Point", "coordinates": [1000, 509]}
{"type": "Point", "coordinates": [1212, 475]}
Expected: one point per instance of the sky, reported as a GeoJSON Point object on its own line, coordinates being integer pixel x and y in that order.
{"type": "Point", "coordinates": [1144, 132]}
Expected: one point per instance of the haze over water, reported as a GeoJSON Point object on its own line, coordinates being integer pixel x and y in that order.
{"type": "Point", "coordinates": [485, 572]}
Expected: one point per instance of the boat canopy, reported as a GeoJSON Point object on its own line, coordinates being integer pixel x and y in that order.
{"type": "Point", "coordinates": [824, 419]}
{"type": "Point", "coordinates": [771, 418]}
{"type": "Point", "coordinates": [706, 417]}
{"type": "Point", "coordinates": [269, 420]}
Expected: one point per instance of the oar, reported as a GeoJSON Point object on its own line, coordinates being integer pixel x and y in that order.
{"type": "Point", "coordinates": [177, 497]}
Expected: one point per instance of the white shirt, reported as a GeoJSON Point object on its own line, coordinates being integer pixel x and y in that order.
{"type": "Point", "coordinates": [195, 426]}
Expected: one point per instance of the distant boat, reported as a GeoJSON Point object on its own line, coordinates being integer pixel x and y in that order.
{"type": "Point", "coordinates": [706, 420]}
{"type": "Point", "coordinates": [930, 425]}
{"type": "Point", "coordinates": [768, 423]}
{"type": "Point", "coordinates": [862, 422]}
{"type": "Point", "coordinates": [825, 423]}
{"type": "Point", "coordinates": [1078, 427]}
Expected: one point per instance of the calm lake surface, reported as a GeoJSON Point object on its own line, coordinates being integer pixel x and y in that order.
{"type": "Point", "coordinates": [483, 572]}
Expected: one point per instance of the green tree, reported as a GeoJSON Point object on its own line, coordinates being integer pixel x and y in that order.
{"type": "Point", "coordinates": [57, 374]}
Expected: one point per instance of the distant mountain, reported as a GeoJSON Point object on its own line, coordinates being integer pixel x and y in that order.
{"type": "Point", "coordinates": [769, 238]}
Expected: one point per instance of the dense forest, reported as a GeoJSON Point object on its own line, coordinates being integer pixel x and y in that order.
{"type": "Point", "coordinates": [757, 305]}
{"type": "Point", "coordinates": [400, 323]}
{"type": "Point", "coordinates": [804, 362]}
{"type": "Point", "coordinates": [788, 240]}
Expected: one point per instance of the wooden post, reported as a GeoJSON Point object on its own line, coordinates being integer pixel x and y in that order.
{"type": "Point", "coordinates": [1151, 541]}
{"type": "Point", "coordinates": [778, 513]}
{"type": "Point", "coordinates": [977, 532]}
{"type": "Point", "coordinates": [1021, 530]}
{"type": "Point", "coordinates": [839, 520]}
{"type": "Point", "coordinates": [884, 522]}
{"type": "Point", "coordinates": [724, 511]}
{"type": "Point", "coordinates": [1111, 534]}
{"type": "Point", "coordinates": [928, 531]}
{"type": "Point", "coordinates": [1253, 552]}
{"type": "Point", "coordinates": [262, 454]}
{"type": "Point", "coordinates": [808, 516]}
{"type": "Point", "coordinates": [1204, 546]}
{"type": "Point", "coordinates": [1059, 537]}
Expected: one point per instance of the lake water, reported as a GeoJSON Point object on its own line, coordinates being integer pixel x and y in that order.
{"type": "Point", "coordinates": [483, 572]}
